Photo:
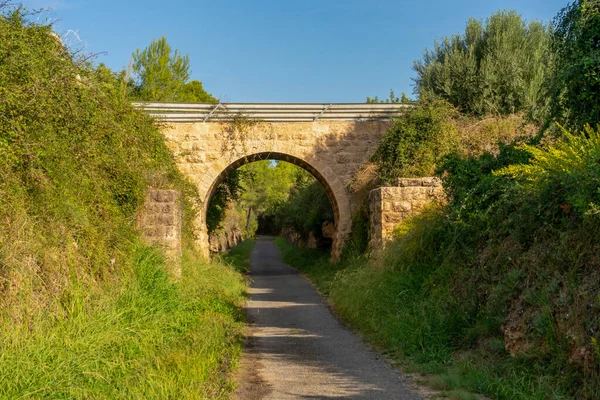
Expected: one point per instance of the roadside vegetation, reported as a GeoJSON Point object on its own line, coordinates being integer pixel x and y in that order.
{"type": "Point", "coordinates": [87, 309]}
{"type": "Point", "coordinates": [494, 290]}
{"type": "Point", "coordinates": [239, 256]}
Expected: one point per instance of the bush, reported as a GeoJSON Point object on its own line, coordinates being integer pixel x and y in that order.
{"type": "Point", "coordinates": [305, 210]}
{"type": "Point", "coordinates": [563, 179]}
{"type": "Point", "coordinates": [77, 159]}
{"type": "Point", "coordinates": [416, 142]}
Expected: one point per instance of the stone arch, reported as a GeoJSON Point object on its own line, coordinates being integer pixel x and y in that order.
{"type": "Point", "coordinates": [336, 191]}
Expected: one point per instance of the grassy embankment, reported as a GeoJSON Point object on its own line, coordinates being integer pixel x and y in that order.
{"type": "Point", "coordinates": [239, 256]}
{"type": "Point", "coordinates": [496, 292]}
{"type": "Point", "coordinates": [87, 309]}
{"type": "Point", "coordinates": [143, 337]}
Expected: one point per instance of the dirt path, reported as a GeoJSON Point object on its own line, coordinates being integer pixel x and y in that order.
{"type": "Point", "coordinates": [298, 350]}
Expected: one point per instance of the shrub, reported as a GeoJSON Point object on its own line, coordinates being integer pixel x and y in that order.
{"type": "Point", "coordinates": [416, 142]}
{"type": "Point", "coordinates": [565, 178]}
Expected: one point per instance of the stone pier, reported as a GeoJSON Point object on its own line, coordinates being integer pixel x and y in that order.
{"type": "Point", "coordinates": [389, 206]}
{"type": "Point", "coordinates": [160, 223]}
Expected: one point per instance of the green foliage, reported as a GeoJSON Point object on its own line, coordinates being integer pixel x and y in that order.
{"type": "Point", "coordinates": [565, 178]}
{"type": "Point", "coordinates": [509, 266]}
{"type": "Point", "coordinates": [358, 242]}
{"type": "Point", "coordinates": [416, 142]}
{"type": "Point", "coordinates": [469, 180]}
{"type": "Point", "coordinates": [496, 66]}
{"type": "Point", "coordinates": [74, 151]}
{"type": "Point", "coordinates": [575, 89]}
{"type": "Point", "coordinates": [306, 209]}
{"type": "Point", "coordinates": [239, 256]}
{"type": "Point", "coordinates": [193, 92]}
{"type": "Point", "coordinates": [162, 75]}
{"type": "Point", "coordinates": [175, 338]}
{"type": "Point", "coordinates": [86, 310]}
{"type": "Point", "coordinates": [404, 99]}
{"type": "Point", "coordinates": [226, 192]}
{"type": "Point", "coordinates": [283, 195]}
{"type": "Point", "coordinates": [258, 189]}
{"type": "Point", "coordinates": [497, 290]}
{"type": "Point", "coordinates": [266, 185]}
{"type": "Point", "coordinates": [392, 99]}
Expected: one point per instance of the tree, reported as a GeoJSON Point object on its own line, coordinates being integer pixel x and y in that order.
{"type": "Point", "coordinates": [193, 92]}
{"type": "Point", "coordinates": [496, 66]}
{"type": "Point", "coordinates": [264, 186]}
{"type": "Point", "coordinates": [162, 75]}
{"type": "Point", "coordinates": [404, 99]}
{"type": "Point", "coordinates": [575, 89]}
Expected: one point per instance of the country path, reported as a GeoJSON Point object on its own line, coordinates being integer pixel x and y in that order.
{"type": "Point", "coordinates": [296, 348]}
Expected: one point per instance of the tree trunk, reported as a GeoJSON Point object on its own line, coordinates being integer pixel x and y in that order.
{"type": "Point", "coordinates": [248, 218]}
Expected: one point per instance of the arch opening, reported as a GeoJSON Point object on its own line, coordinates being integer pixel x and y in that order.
{"type": "Point", "coordinates": [334, 190]}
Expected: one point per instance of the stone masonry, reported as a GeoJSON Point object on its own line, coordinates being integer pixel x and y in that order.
{"type": "Point", "coordinates": [331, 150]}
{"type": "Point", "coordinates": [389, 206]}
{"type": "Point", "coordinates": [160, 223]}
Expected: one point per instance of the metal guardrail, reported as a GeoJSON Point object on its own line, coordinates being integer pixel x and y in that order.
{"type": "Point", "coordinates": [272, 112]}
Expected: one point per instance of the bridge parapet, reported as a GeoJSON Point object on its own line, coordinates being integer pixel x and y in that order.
{"type": "Point", "coordinates": [273, 112]}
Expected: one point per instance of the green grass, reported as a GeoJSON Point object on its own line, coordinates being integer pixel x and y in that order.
{"type": "Point", "coordinates": [311, 262]}
{"type": "Point", "coordinates": [239, 256]}
{"type": "Point", "coordinates": [146, 338]}
{"type": "Point", "coordinates": [410, 316]}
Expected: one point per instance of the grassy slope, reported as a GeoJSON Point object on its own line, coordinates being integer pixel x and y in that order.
{"type": "Point", "coordinates": [239, 256]}
{"type": "Point", "coordinates": [144, 338]}
{"type": "Point", "coordinates": [407, 315]}
{"type": "Point", "coordinates": [496, 291]}
{"type": "Point", "coordinates": [86, 309]}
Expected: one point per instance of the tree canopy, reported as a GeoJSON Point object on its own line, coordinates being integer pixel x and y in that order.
{"type": "Point", "coordinates": [498, 65]}
{"type": "Point", "coordinates": [162, 74]}
{"type": "Point", "coordinates": [193, 92]}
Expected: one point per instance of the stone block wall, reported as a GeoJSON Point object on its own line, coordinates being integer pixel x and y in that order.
{"type": "Point", "coordinates": [160, 223]}
{"type": "Point", "coordinates": [389, 206]}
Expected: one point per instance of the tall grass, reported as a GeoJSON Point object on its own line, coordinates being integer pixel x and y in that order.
{"type": "Point", "coordinates": [143, 338]}
{"type": "Point", "coordinates": [239, 256]}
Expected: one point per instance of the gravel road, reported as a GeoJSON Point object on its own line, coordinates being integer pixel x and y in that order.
{"type": "Point", "coordinates": [296, 349]}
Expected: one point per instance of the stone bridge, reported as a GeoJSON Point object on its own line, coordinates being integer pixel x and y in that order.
{"type": "Point", "coordinates": [331, 141]}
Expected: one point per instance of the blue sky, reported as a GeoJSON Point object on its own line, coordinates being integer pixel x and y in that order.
{"type": "Point", "coordinates": [281, 51]}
